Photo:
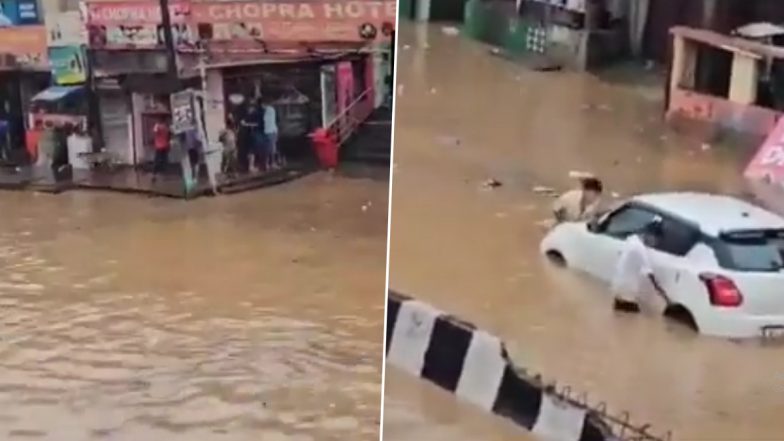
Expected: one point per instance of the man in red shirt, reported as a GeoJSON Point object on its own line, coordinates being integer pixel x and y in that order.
{"type": "Point", "coordinates": [161, 142]}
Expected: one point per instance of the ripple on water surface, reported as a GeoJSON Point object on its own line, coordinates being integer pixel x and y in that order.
{"type": "Point", "coordinates": [117, 326]}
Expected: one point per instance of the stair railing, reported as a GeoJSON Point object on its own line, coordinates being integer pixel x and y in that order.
{"type": "Point", "coordinates": [348, 121]}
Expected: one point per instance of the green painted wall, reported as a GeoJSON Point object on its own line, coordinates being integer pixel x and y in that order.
{"type": "Point", "coordinates": [405, 9]}
{"type": "Point", "coordinates": [492, 25]}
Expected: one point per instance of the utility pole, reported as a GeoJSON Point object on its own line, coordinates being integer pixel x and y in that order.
{"type": "Point", "coordinates": [168, 41]}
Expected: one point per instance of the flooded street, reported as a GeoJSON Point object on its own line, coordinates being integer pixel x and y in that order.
{"type": "Point", "coordinates": [256, 316]}
{"type": "Point", "coordinates": [414, 410]}
{"type": "Point", "coordinates": [464, 116]}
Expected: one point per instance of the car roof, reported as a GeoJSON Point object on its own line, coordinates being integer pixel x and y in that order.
{"type": "Point", "coordinates": [715, 214]}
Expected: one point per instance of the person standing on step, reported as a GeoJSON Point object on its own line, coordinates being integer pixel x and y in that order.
{"type": "Point", "coordinates": [249, 127]}
{"type": "Point", "coordinates": [193, 149]}
{"type": "Point", "coordinates": [228, 140]}
{"type": "Point", "coordinates": [259, 137]}
{"type": "Point", "coordinates": [274, 158]}
{"type": "Point", "coordinates": [47, 145]}
{"type": "Point", "coordinates": [161, 140]}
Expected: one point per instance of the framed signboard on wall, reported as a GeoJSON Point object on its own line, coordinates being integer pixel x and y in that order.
{"type": "Point", "coordinates": [183, 112]}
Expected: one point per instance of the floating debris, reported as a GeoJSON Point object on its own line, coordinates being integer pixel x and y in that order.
{"type": "Point", "coordinates": [450, 141]}
{"type": "Point", "coordinates": [577, 174]}
{"type": "Point", "coordinates": [548, 67]}
{"type": "Point", "coordinates": [541, 189]}
{"type": "Point", "coordinates": [492, 183]}
{"type": "Point", "coordinates": [450, 31]}
{"type": "Point", "coordinates": [705, 147]}
{"type": "Point", "coordinates": [433, 91]}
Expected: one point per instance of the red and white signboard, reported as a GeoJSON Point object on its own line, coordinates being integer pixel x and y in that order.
{"type": "Point", "coordinates": [768, 163]}
{"type": "Point", "coordinates": [271, 20]}
{"type": "Point", "coordinates": [134, 13]}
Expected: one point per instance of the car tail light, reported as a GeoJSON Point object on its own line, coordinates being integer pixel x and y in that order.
{"type": "Point", "coordinates": [722, 291]}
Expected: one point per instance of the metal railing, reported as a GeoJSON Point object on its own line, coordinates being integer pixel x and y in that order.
{"type": "Point", "coordinates": [348, 121]}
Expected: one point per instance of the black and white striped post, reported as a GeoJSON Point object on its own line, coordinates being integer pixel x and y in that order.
{"type": "Point", "coordinates": [474, 365]}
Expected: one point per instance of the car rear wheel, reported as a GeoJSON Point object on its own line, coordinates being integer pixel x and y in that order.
{"type": "Point", "coordinates": [555, 257]}
{"type": "Point", "coordinates": [680, 314]}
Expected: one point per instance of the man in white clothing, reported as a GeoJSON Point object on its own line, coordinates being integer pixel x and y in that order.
{"type": "Point", "coordinates": [634, 274]}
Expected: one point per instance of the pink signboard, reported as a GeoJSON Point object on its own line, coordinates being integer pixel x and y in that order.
{"type": "Point", "coordinates": [768, 163]}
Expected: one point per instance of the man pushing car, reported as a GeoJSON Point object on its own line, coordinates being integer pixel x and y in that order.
{"type": "Point", "coordinates": [634, 273]}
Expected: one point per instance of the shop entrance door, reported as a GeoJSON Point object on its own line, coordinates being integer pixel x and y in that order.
{"type": "Point", "coordinates": [115, 123]}
{"type": "Point", "coordinates": [447, 10]}
{"type": "Point", "coordinates": [329, 96]}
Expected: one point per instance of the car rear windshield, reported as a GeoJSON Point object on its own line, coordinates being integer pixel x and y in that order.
{"type": "Point", "coordinates": [758, 250]}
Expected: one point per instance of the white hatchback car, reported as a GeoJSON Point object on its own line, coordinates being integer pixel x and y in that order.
{"type": "Point", "coordinates": [720, 260]}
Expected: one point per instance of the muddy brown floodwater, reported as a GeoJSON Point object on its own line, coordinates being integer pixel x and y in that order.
{"type": "Point", "coordinates": [421, 411]}
{"type": "Point", "coordinates": [473, 251]}
{"type": "Point", "coordinates": [256, 316]}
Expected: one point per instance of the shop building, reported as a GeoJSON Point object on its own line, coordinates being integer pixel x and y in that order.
{"type": "Point", "coordinates": [235, 52]}
{"type": "Point", "coordinates": [581, 34]}
{"type": "Point", "coordinates": [24, 72]}
{"type": "Point", "coordinates": [66, 100]}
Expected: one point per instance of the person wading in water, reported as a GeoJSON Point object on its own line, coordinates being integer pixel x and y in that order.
{"type": "Point", "coordinates": [634, 275]}
{"type": "Point", "coordinates": [580, 204]}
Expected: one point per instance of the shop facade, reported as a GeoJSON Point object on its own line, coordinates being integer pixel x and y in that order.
{"type": "Point", "coordinates": [581, 34]}
{"type": "Point", "coordinates": [307, 93]}
{"type": "Point", "coordinates": [24, 72]}
{"type": "Point", "coordinates": [231, 53]}
{"type": "Point", "coordinates": [65, 101]}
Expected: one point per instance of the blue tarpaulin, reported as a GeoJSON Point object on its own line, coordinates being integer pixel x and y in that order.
{"type": "Point", "coordinates": [56, 93]}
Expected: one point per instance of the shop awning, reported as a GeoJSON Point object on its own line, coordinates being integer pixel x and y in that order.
{"type": "Point", "coordinates": [56, 93]}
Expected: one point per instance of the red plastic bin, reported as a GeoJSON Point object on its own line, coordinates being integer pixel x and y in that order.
{"type": "Point", "coordinates": [325, 147]}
